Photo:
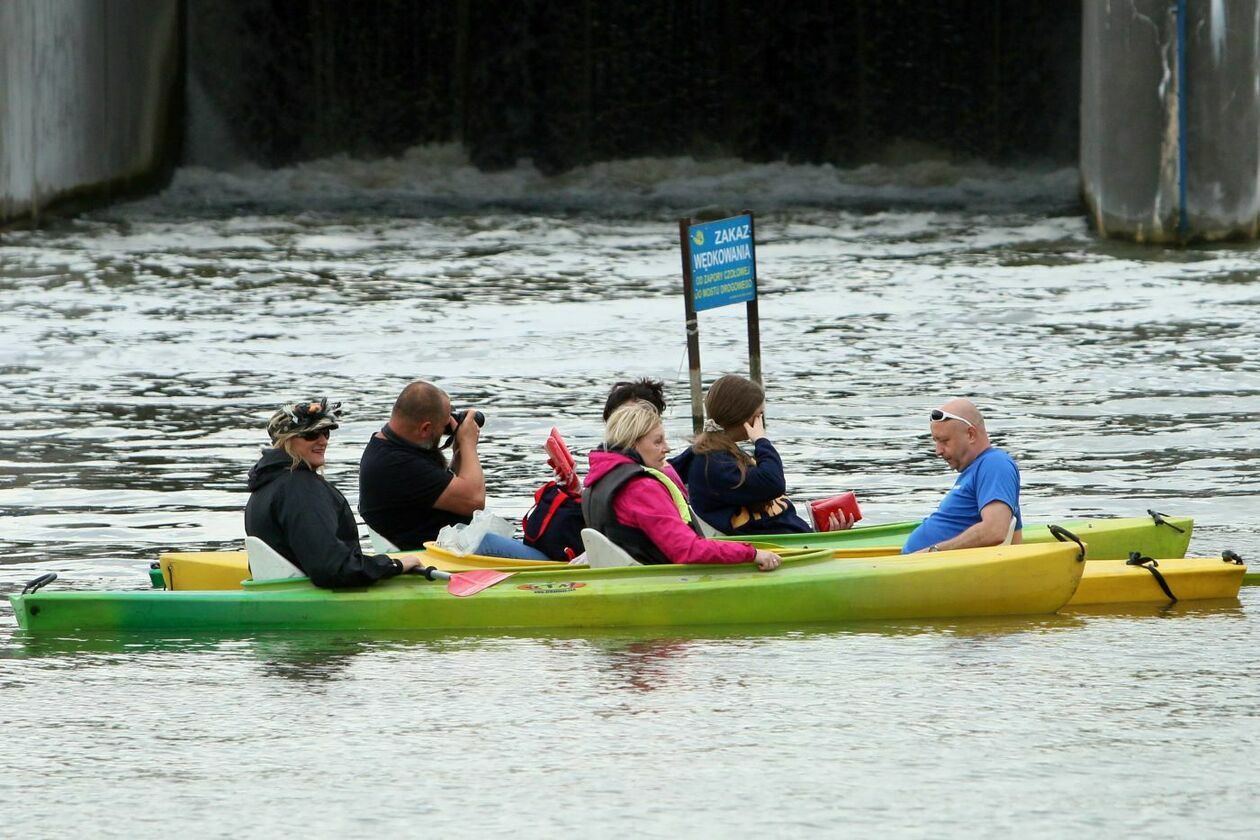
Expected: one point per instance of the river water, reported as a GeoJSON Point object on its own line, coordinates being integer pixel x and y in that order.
{"type": "Point", "coordinates": [143, 346]}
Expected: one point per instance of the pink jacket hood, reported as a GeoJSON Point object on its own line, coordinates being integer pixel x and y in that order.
{"type": "Point", "coordinates": [602, 461]}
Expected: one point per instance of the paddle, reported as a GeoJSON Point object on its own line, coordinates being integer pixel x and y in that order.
{"type": "Point", "coordinates": [463, 584]}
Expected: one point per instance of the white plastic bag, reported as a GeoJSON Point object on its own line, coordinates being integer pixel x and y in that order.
{"type": "Point", "coordinates": [463, 539]}
{"type": "Point", "coordinates": [448, 538]}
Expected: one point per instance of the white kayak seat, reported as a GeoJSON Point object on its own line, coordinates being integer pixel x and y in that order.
{"type": "Point", "coordinates": [1010, 533]}
{"type": "Point", "coordinates": [265, 563]}
{"type": "Point", "coordinates": [379, 544]}
{"type": "Point", "coordinates": [603, 553]}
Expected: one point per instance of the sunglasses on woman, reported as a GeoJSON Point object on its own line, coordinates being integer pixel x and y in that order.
{"type": "Point", "coordinates": [316, 435]}
{"type": "Point", "coordinates": [939, 414]}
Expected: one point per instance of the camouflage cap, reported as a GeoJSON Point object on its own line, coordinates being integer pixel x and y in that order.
{"type": "Point", "coordinates": [304, 416]}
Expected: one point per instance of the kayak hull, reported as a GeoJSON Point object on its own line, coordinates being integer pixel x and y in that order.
{"type": "Point", "coordinates": [1004, 580]}
{"type": "Point", "coordinates": [1108, 539]}
{"type": "Point", "coordinates": [1189, 579]}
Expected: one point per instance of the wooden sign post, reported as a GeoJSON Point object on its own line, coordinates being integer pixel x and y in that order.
{"type": "Point", "coordinates": [719, 261]}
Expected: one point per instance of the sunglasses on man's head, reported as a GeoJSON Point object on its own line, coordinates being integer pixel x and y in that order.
{"type": "Point", "coordinates": [316, 435]}
{"type": "Point", "coordinates": [939, 414]}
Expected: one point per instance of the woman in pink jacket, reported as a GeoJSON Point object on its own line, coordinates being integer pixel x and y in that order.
{"type": "Point", "coordinates": [629, 498]}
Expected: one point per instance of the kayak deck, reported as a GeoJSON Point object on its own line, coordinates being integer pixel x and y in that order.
{"type": "Point", "coordinates": [1108, 539]}
{"type": "Point", "coordinates": [229, 569]}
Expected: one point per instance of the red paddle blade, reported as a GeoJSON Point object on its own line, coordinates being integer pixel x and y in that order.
{"type": "Point", "coordinates": [463, 584]}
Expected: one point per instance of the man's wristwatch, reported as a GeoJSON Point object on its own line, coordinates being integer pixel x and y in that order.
{"type": "Point", "coordinates": [398, 564]}
{"type": "Point", "coordinates": [933, 547]}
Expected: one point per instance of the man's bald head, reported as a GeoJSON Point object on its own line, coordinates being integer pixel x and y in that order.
{"type": "Point", "coordinates": [966, 409]}
{"type": "Point", "coordinates": [421, 402]}
{"type": "Point", "coordinates": [958, 432]}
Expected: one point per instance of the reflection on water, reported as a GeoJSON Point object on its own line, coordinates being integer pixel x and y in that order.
{"type": "Point", "coordinates": [145, 345]}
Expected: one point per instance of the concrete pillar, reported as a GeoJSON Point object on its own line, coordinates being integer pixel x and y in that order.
{"type": "Point", "coordinates": [89, 100]}
{"type": "Point", "coordinates": [1170, 118]}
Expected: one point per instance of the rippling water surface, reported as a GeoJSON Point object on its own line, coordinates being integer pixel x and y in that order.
{"type": "Point", "coordinates": [143, 346]}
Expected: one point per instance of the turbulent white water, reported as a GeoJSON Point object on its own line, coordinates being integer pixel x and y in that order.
{"type": "Point", "coordinates": [144, 345]}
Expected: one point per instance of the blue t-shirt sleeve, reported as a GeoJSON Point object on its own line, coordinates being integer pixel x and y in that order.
{"type": "Point", "coordinates": [997, 480]}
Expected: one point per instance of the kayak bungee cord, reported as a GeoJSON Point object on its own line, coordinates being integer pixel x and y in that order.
{"type": "Point", "coordinates": [1160, 520]}
{"type": "Point", "coordinates": [1151, 565]}
{"type": "Point", "coordinates": [1064, 535]}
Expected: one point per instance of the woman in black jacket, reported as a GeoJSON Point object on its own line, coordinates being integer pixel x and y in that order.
{"type": "Point", "coordinates": [299, 514]}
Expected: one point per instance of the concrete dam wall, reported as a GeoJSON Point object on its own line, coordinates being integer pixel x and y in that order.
{"type": "Point", "coordinates": [89, 100]}
{"type": "Point", "coordinates": [1170, 119]}
{"type": "Point", "coordinates": [1158, 100]}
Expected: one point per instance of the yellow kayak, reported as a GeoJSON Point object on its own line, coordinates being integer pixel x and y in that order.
{"type": "Point", "coordinates": [1184, 579]}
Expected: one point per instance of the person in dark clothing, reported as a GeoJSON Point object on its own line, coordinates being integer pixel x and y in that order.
{"type": "Point", "coordinates": [299, 514]}
{"type": "Point", "coordinates": [406, 491]}
{"type": "Point", "coordinates": [649, 390]}
{"type": "Point", "coordinates": [734, 492]}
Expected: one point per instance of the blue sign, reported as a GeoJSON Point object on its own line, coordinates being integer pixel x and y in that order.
{"type": "Point", "coordinates": [723, 265]}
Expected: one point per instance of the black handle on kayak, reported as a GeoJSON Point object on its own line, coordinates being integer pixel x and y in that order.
{"type": "Point", "coordinates": [1064, 535]}
{"type": "Point", "coordinates": [1230, 557]}
{"type": "Point", "coordinates": [1151, 565]}
{"type": "Point", "coordinates": [1160, 520]}
{"type": "Point", "coordinates": [431, 572]}
{"type": "Point", "coordinates": [39, 583]}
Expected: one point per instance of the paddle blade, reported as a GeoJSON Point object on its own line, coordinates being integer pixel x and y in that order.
{"type": "Point", "coordinates": [463, 584]}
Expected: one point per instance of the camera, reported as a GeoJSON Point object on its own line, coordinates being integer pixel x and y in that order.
{"type": "Point", "coordinates": [478, 418]}
{"type": "Point", "coordinates": [456, 419]}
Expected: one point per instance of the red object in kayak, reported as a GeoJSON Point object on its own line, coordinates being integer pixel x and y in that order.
{"type": "Point", "coordinates": [821, 509]}
{"type": "Point", "coordinates": [559, 459]}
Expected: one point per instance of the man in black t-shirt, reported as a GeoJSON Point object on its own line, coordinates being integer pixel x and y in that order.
{"type": "Point", "coordinates": [407, 493]}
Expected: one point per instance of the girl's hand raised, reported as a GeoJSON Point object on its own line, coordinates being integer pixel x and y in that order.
{"type": "Point", "coordinates": [755, 428]}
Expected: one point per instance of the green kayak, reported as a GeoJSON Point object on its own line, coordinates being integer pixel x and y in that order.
{"type": "Point", "coordinates": [1154, 535]}
{"type": "Point", "coordinates": [810, 588]}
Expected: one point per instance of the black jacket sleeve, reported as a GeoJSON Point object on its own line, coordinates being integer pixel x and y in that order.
{"type": "Point", "coordinates": [309, 519]}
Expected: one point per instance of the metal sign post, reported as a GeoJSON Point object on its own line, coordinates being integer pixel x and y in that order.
{"type": "Point", "coordinates": [719, 264]}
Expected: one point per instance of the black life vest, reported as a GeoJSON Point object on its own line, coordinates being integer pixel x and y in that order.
{"type": "Point", "coordinates": [597, 508]}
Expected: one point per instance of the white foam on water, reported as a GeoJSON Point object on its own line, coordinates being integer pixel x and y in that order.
{"type": "Point", "coordinates": [439, 177]}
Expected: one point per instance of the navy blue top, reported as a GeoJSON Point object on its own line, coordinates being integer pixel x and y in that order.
{"type": "Point", "coordinates": [757, 505]}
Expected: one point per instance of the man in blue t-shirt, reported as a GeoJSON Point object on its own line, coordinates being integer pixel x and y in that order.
{"type": "Point", "coordinates": [983, 505]}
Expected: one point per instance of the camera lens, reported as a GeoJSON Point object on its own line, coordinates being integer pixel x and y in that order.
{"type": "Point", "coordinates": [478, 418]}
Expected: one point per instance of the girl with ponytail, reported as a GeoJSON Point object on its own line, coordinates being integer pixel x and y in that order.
{"type": "Point", "coordinates": [733, 491]}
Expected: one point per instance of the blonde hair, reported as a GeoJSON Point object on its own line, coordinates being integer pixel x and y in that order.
{"type": "Point", "coordinates": [629, 422]}
{"type": "Point", "coordinates": [285, 441]}
{"type": "Point", "coordinates": [730, 401]}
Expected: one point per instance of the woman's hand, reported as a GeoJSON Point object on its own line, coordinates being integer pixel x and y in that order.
{"type": "Point", "coordinates": [755, 428]}
{"type": "Point", "coordinates": [410, 562]}
{"type": "Point", "coordinates": [840, 521]}
{"type": "Point", "coordinates": [767, 561]}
